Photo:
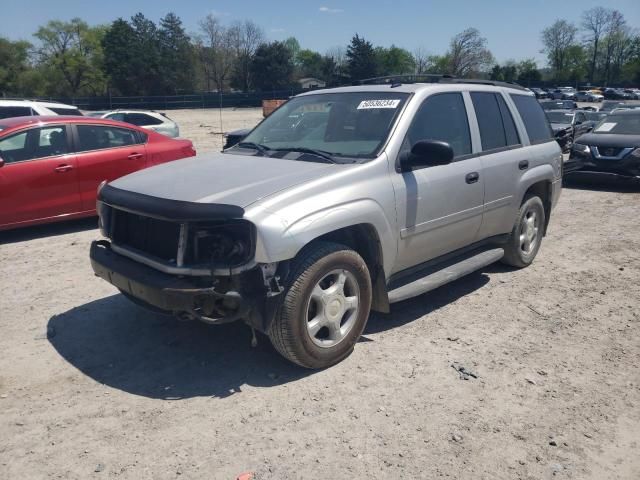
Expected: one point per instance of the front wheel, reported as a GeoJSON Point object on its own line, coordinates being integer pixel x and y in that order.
{"type": "Point", "coordinates": [526, 236]}
{"type": "Point", "coordinates": [325, 308]}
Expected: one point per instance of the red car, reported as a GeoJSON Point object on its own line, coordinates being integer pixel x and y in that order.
{"type": "Point", "coordinates": [50, 167]}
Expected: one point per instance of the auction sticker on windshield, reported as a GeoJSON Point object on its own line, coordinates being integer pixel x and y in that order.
{"type": "Point", "coordinates": [365, 104]}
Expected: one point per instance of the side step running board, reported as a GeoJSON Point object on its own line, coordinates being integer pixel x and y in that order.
{"type": "Point", "coordinates": [446, 275]}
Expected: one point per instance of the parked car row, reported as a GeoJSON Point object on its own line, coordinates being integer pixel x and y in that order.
{"type": "Point", "coordinates": [51, 166]}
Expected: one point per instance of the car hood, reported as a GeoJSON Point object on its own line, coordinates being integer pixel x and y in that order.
{"type": "Point", "coordinates": [238, 180]}
{"type": "Point", "coordinates": [609, 140]}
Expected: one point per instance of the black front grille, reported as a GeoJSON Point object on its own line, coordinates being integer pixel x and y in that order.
{"type": "Point", "coordinates": [148, 235]}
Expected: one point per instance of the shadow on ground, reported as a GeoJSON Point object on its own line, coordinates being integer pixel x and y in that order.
{"type": "Point", "coordinates": [48, 230]}
{"type": "Point", "coordinates": [600, 183]}
{"type": "Point", "coordinates": [126, 347]}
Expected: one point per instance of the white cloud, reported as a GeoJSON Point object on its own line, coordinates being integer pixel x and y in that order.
{"type": "Point", "coordinates": [330, 10]}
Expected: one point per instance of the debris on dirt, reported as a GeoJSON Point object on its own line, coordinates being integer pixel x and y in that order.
{"type": "Point", "coordinates": [99, 468]}
{"type": "Point", "coordinates": [453, 339]}
{"type": "Point", "coordinates": [588, 435]}
{"type": "Point", "coordinates": [535, 311]}
{"type": "Point", "coordinates": [464, 372]}
{"type": "Point", "coordinates": [542, 372]}
{"type": "Point", "coordinates": [456, 437]}
{"type": "Point", "coordinates": [553, 443]}
{"type": "Point", "coordinates": [530, 380]}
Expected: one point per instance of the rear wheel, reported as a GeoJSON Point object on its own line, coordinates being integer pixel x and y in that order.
{"type": "Point", "coordinates": [526, 236]}
{"type": "Point", "coordinates": [325, 308]}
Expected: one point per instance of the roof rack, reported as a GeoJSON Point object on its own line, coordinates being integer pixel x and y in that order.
{"type": "Point", "coordinates": [397, 80]}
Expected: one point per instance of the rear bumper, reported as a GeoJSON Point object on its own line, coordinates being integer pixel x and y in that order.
{"type": "Point", "coordinates": [168, 293]}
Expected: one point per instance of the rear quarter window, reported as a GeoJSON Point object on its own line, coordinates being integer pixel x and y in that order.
{"type": "Point", "coordinates": [66, 111]}
{"type": "Point", "coordinates": [533, 117]}
{"type": "Point", "coordinates": [9, 112]}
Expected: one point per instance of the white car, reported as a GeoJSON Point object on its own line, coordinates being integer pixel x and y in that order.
{"type": "Point", "coordinates": [150, 119]}
{"type": "Point", "coordinates": [589, 96]}
{"type": "Point", "coordinates": [28, 108]}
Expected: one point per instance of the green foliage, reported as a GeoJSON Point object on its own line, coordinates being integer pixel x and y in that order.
{"type": "Point", "coordinates": [120, 60]}
{"type": "Point", "coordinates": [176, 56]}
{"type": "Point", "coordinates": [14, 65]}
{"type": "Point", "coordinates": [361, 59]}
{"type": "Point", "coordinates": [394, 61]}
{"type": "Point", "coordinates": [272, 66]}
{"type": "Point", "coordinates": [310, 64]}
{"type": "Point", "coordinates": [72, 53]}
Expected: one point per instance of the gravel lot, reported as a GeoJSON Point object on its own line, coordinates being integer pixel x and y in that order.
{"type": "Point", "coordinates": [92, 386]}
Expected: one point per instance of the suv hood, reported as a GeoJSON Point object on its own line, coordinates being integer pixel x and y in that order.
{"type": "Point", "coordinates": [238, 180]}
{"type": "Point", "coordinates": [609, 140]}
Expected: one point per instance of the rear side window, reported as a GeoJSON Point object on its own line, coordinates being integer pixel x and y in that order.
{"type": "Point", "coordinates": [141, 119]}
{"type": "Point", "coordinates": [9, 112]}
{"type": "Point", "coordinates": [497, 129]}
{"type": "Point", "coordinates": [442, 117]}
{"type": "Point", "coordinates": [66, 111]}
{"type": "Point", "coordinates": [509, 125]}
{"type": "Point", "coordinates": [534, 119]}
{"type": "Point", "coordinates": [97, 137]}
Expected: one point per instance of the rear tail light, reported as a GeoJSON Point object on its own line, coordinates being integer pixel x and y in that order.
{"type": "Point", "coordinates": [190, 151]}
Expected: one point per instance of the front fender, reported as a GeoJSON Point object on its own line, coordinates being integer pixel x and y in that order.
{"type": "Point", "coordinates": [281, 240]}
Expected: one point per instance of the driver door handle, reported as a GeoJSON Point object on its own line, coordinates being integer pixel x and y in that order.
{"type": "Point", "coordinates": [63, 168]}
{"type": "Point", "coordinates": [134, 156]}
{"type": "Point", "coordinates": [472, 177]}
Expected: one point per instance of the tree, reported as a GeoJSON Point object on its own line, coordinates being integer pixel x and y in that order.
{"type": "Point", "coordinates": [245, 38]}
{"type": "Point", "coordinates": [176, 60]}
{"type": "Point", "coordinates": [361, 59]}
{"type": "Point", "coordinates": [215, 49]}
{"type": "Point", "coordinates": [310, 64]}
{"type": "Point", "coordinates": [14, 63]}
{"type": "Point", "coordinates": [394, 61]}
{"type": "Point", "coordinates": [294, 47]}
{"type": "Point", "coordinates": [557, 39]}
{"type": "Point", "coordinates": [528, 73]}
{"type": "Point", "coordinates": [72, 50]}
{"type": "Point", "coordinates": [334, 66]}
{"type": "Point", "coordinates": [146, 64]}
{"type": "Point", "coordinates": [272, 66]}
{"type": "Point", "coordinates": [468, 53]}
{"type": "Point", "coordinates": [595, 21]}
{"type": "Point", "coordinates": [421, 59]}
{"type": "Point", "coordinates": [119, 46]}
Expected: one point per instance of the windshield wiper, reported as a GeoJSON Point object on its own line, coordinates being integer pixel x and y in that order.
{"type": "Point", "coordinates": [255, 146]}
{"type": "Point", "coordinates": [318, 153]}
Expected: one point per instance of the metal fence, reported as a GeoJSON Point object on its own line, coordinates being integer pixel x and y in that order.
{"type": "Point", "coordinates": [169, 102]}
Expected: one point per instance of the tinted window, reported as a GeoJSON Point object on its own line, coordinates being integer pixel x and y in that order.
{"type": "Point", "coordinates": [96, 137]}
{"type": "Point", "coordinates": [442, 117]}
{"type": "Point", "coordinates": [66, 111]}
{"type": "Point", "coordinates": [34, 143]}
{"type": "Point", "coordinates": [507, 121]}
{"type": "Point", "coordinates": [116, 116]}
{"type": "Point", "coordinates": [533, 117]}
{"type": "Point", "coordinates": [8, 112]}
{"type": "Point", "coordinates": [141, 119]}
{"type": "Point", "coordinates": [489, 120]}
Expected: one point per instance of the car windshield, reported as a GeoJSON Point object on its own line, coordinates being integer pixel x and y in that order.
{"type": "Point", "coordinates": [559, 117]}
{"type": "Point", "coordinates": [353, 124]}
{"type": "Point", "coordinates": [619, 124]}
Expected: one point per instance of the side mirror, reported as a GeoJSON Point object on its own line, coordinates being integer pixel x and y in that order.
{"type": "Point", "coordinates": [426, 153]}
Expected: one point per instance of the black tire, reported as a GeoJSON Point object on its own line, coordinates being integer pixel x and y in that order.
{"type": "Point", "coordinates": [514, 253]}
{"type": "Point", "coordinates": [288, 332]}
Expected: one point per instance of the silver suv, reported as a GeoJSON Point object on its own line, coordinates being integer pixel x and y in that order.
{"type": "Point", "coordinates": [341, 202]}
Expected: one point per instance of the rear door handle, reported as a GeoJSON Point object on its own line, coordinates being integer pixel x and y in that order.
{"type": "Point", "coordinates": [134, 156]}
{"type": "Point", "coordinates": [472, 177]}
{"type": "Point", "coordinates": [63, 168]}
{"type": "Point", "coordinates": [523, 164]}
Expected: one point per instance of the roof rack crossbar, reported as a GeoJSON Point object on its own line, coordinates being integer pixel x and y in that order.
{"type": "Point", "coordinates": [432, 78]}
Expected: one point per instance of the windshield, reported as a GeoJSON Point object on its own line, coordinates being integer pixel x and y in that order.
{"type": "Point", "coordinates": [559, 117]}
{"type": "Point", "coordinates": [354, 124]}
{"type": "Point", "coordinates": [620, 124]}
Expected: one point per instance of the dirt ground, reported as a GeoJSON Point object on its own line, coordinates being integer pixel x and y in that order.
{"type": "Point", "coordinates": [92, 386]}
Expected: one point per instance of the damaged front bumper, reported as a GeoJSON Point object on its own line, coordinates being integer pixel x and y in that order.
{"type": "Point", "coordinates": [253, 301]}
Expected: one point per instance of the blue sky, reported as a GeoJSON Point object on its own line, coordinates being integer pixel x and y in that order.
{"type": "Point", "coordinates": [511, 28]}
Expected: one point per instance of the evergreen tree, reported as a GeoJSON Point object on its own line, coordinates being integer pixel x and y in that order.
{"type": "Point", "coordinates": [361, 59]}
{"type": "Point", "coordinates": [272, 66]}
{"type": "Point", "coordinates": [176, 56]}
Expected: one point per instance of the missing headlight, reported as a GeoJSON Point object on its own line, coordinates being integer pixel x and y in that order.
{"type": "Point", "coordinates": [222, 245]}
